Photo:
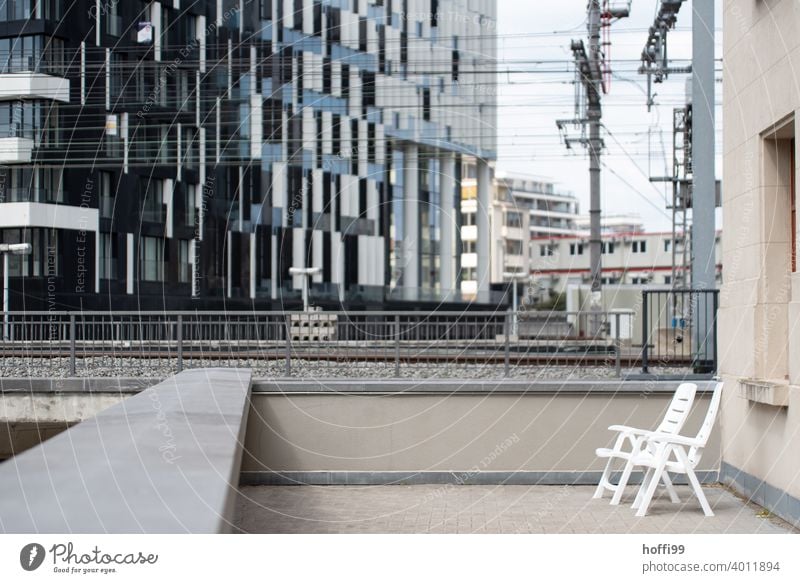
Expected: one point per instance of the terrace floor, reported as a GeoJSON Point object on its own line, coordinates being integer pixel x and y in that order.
{"type": "Point", "coordinates": [488, 509]}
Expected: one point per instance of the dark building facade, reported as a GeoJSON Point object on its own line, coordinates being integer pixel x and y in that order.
{"type": "Point", "coordinates": [186, 154]}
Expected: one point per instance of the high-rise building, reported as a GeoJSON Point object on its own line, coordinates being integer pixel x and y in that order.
{"type": "Point", "coordinates": [184, 154]}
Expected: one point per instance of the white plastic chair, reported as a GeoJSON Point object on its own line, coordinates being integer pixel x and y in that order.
{"type": "Point", "coordinates": [673, 421]}
{"type": "Point", "coordinates": [677, 454]}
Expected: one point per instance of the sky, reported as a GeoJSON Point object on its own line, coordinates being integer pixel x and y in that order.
{"type": "Point", "coordinates": [536, 87]}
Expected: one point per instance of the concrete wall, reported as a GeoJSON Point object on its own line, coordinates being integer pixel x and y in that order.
{"type": "Point", "coordinates": [528, 431]}
{"type": "Point", "coordinates": [760, 300]}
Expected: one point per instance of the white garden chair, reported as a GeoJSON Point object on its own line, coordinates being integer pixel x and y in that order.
{"type": "Point", "coordinates": [676, 454]}
{"type": "Point", "coordinates": [635, 439]}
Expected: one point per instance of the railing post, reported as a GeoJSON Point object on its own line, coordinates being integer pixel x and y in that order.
{"type": "Point", "coordinates": [645, 332]}
{"type": "Point", "coordinates": [618, 346]}
{"type": "Point", "coordinates": [397, 345]}
{"type": "Point", "coordinates": [180, 342]}
{"type": "Point", "coordinates": [72, 345]}
{"type": "Point", "coordinates": [715, 295]}
{"type": "Point", "coordinates": [288, 324]}
{"type": "Point", "coordinates": [507, 345]}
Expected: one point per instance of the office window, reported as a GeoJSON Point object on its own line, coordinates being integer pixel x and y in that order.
{"type": "Point", "coordinates": [608, 247]}
{"type": "Point", "coordinates": [153, 205]}
{"type": "Point", "coordinates": [191, 209]}
{"type": "Point", "coordinates": [667, 245]}
{"type": "Point", "coordinates": [298, 14]}
{"type": "Point", "coordinates": [185, 99]}
{"type": "Point", "coordinates": [108, 256]}
{"type": "Point", "coordinates": [113, 22]}
{"type": "Point", "coordinates": [514, 220]}
{"type": "Point", "coordinates": [164, 146]}
{"type": "Point", "coordinates": [189, 145]}
{"type": "Point", "coordinates": [640, 246]}
{"type": "Point", "coordinates": [362, 34]}
{"type": "Point", "coordinates": [152, 259]}
{"type": "Point", "coordinates": [185, 263]}
{"type": "Point", "coordinates": [16, 9]}
{"type": "Point", "coordinates": [576, 248]}
{"type": "Point", "coordinates": [106, 195]}
{"type": "Point", "coordinates": [513, 247]}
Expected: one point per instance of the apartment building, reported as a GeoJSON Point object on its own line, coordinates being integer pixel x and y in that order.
{"type": "Point", "coordinates": [187, 154]}
{"type": "Point", "coordinates": [759, 317]}
{"type": "Point", "coordinates": [509, 226]}
{"type": "Point", "coordinates": [552, 211]}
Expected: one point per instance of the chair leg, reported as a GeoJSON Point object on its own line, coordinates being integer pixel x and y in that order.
{"type": "Point", "coordinates": [698, 490]}
{"type": "Point", "coordinates": [623, 481]}
{"type": "Point", "coordinates": [673, 495]}
{"type": "Point", "coordinates": [651, 488]}
{"type": "Point", "coordinates": [642, 488]}
{"type": "Point", "coordinates": [604, 483]}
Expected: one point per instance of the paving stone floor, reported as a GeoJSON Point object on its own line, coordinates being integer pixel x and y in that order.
{"type": "Point", "coordinates": [487, 509]}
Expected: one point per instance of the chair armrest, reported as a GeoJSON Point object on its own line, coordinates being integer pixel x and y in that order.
{"type": "Point", "coordinates": [674, 439]}
{"type": "Point", "coordinates": [632, 430]}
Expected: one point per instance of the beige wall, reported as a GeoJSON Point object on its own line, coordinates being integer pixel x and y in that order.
{"type": "Point", "coordinates": [536, 433]}
{"type": "Point", "coordinates": [760, 299]}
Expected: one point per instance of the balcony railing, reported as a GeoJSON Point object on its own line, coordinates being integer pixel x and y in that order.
{"type": "Point", "coordinates": [32, 195]}
{"type": "Point", "coordinates": [30, 63]}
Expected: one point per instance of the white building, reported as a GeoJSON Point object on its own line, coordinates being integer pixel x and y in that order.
{"type": "Point", "coordinates": [552, 212]}
{"type": "Point", "coordinates": [510, 237]}
{"type": "Point", "coordinates": [633, 257]}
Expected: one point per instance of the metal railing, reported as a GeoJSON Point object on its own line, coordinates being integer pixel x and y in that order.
{"type": "Point", "coordinates": [319, 344]}
{"type": "Point", "coordinates": [679, 326]}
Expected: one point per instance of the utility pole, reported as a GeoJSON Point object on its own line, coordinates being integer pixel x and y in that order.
{"type": "Point", "coordinates": [595, 114]}
{"type": "Point", "coordinates": [704, 186]}
{"type": "Point", "coordinates": [591, 68]}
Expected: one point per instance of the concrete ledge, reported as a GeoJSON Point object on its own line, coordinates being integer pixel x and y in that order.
{"type": "Point", "coordinates": [77, 385]}
{"type": "Point", "coordinates": [380, 386]}
{"type": "Point", "coordinates": [164, 461]}
{"type": "Point", "coordinates": [773, 499]}
{"type": "Point", "coordinates": [465, 478]}
{"type": "Point", "coordinates": [359, 386]}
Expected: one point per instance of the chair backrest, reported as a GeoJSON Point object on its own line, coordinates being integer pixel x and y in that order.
{"type": "Point", "coordinates": [679, 409]}
{"type": "Point", "coordinates": [696, 452]}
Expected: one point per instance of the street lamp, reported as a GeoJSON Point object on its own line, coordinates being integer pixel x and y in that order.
{"type": "Point", "coordinates": [515, 276]}
{"type": "Point", "coordinates": [305, 273]}
{"type": "Point", "coordinates": [7, 249]}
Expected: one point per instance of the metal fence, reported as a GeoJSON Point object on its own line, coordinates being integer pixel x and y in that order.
{"type": "Point", "coordinates": [329, 344]}
{"type": "Point", "coordinates": [679, 326]}
{"type": "Point", "coordinates": [673, 333]}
